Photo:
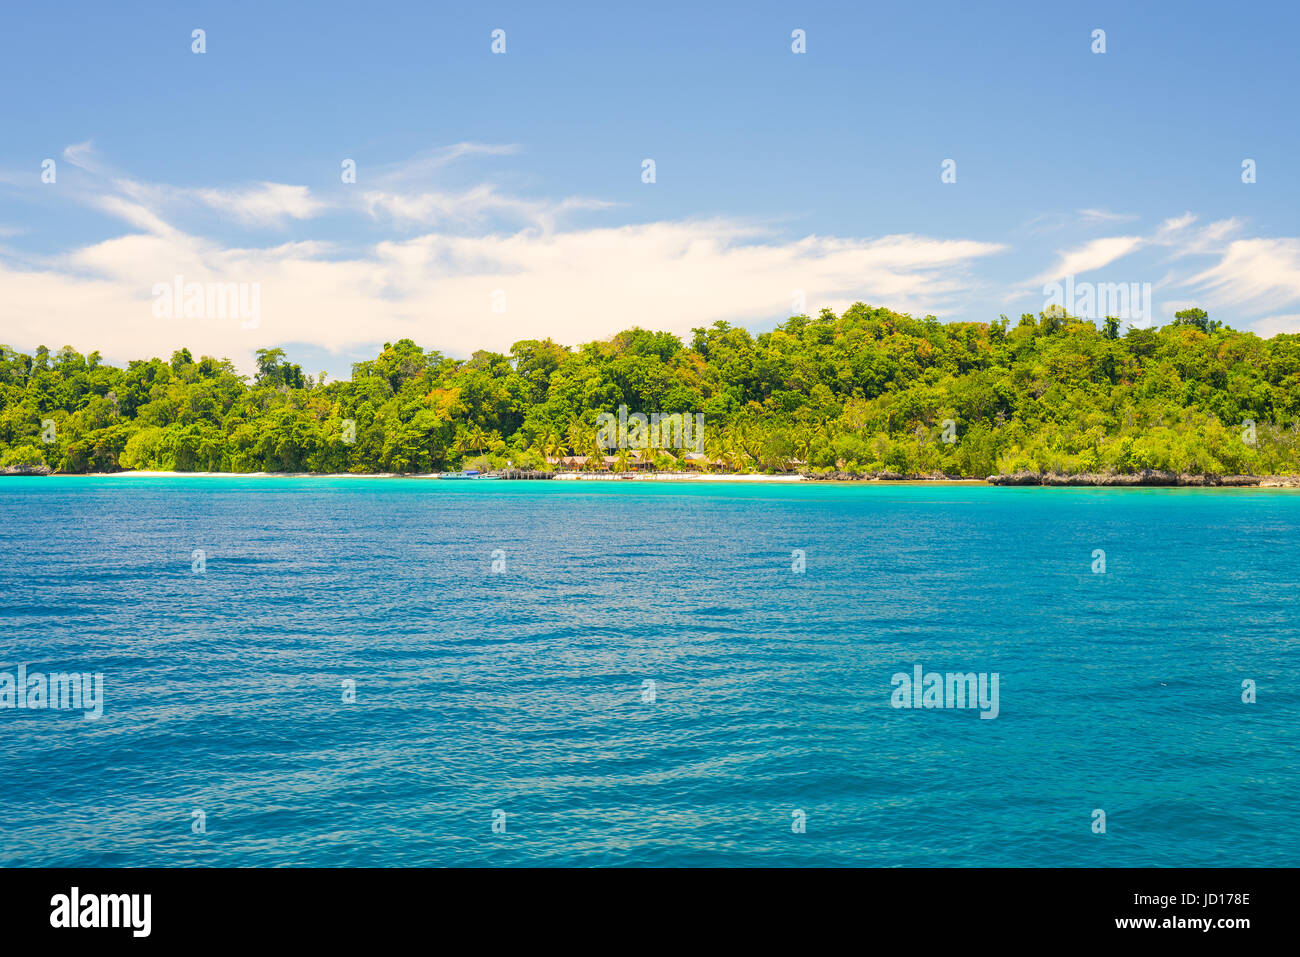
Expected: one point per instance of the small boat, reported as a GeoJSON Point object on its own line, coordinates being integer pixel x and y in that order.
{"type": "Point", "coordinates": [467, 474]}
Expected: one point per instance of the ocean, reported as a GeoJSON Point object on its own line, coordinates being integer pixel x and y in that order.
{"type": "Point", "coordinates": [377, 671]}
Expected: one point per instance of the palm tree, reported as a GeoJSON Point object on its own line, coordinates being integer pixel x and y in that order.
{"type": "Point", "coordinates": [582, 441]}
{"type": "Point", "coordinates": [538, 445]}
{"type": "Point", "coordinates": [737, 455]}
{"type": "Point", "coordinates": [576, 436]}
{"type": "Point", "coordinates": [802, 445]}
{"type": "Point", "coordinates": [555, 446]}
{"type": "Point", "coordinates": [550, 445]}
{"type": "Point", "coordinates": [471, 439]}
{"type": "Point", "coordinates": [716, 449]}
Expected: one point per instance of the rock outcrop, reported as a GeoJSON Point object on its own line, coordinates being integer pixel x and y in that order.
{"type": "Point", "coordinates": [1147, 477]}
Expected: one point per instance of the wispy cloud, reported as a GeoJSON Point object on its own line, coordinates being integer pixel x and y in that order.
{"type": "Point", "coordinates": [1183, 240]}
{"type": "Point", "coordinates": [1274, 325]}
{"type": "Point", "coordinates": [133, 213]}
{"type": "Point", "coordinates": [1264, 272]}
{"type": "Point", "coordinates": [420, 168]}
{"type": "Point", "coordinates": [471, 207]}
{"type": "Point", "coordinates": [264, 204]}
{"type": "Point", "coordinates": [1091, 216]}
{"type": "Point", "coordinates": [480, 266]}
{"type": "Point", "coordinates": [441, 289]}
{"type": "Point", "coordinates": [83, 156]}
{"type": "Point", "coordinates": [449, 287]}
{"type": "Point", "coordinates": [1088, 257]}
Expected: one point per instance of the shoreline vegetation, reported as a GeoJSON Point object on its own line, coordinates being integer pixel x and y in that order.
{"type": "Point", "coordinates": [1145, 479]}
{"type": "Point", "coordinates": [868, 395]}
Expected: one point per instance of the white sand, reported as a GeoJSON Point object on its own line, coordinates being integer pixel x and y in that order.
{"type": "Point", "coordinates": [559, 476]}
{"type": "Point", "coordinates": [673, 477]}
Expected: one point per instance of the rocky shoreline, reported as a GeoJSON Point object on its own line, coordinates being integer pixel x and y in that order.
{"type": "Point", "coordinates": [1148, 478]}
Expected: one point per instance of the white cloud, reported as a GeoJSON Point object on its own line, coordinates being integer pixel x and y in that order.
{"type": "Point", "coordinates": [437, 289]}
{"type": "Point", "coordinates": [420, 168]}
{"type": "Point", "coordinates": [572, 283]}
{"type": "Point", "coordinates": [1177, 234]}
{"type": "Point", "coordinates": [1173, 226]}
{"type": "Point", "coordinates": [1091, 216]}
{"type": "Point", "coordinates": [470, 207]}
{"type": "Point", "coordinates": [1264, 273]}
{"type": "Point", "coordinates": [1273, 325]}
{"type": "Point", "coordinates": [134, 214]}
{"type": "Point", "coordinates": [263, 204]}
{"type": "Point", "coordinates": [83, 156]}
{"type": "Point", "coordinates": [1090, 256]}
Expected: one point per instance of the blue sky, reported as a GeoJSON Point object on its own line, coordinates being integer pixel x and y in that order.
{"type": "Point", "coordinates": [500, 196]}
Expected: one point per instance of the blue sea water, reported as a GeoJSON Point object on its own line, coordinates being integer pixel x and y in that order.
{"type": "Point", "coordinates": [522, 691]}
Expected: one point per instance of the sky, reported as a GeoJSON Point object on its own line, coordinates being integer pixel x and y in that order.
{"type": "Point", "coordinates": [952, 159]}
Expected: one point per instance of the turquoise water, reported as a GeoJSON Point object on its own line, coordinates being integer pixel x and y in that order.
{"type": "Point", "coordinates": [522, 691]}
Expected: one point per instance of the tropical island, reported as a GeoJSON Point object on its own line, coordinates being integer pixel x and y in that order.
{"type": "Point", "coordinates": [1051, 399]}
